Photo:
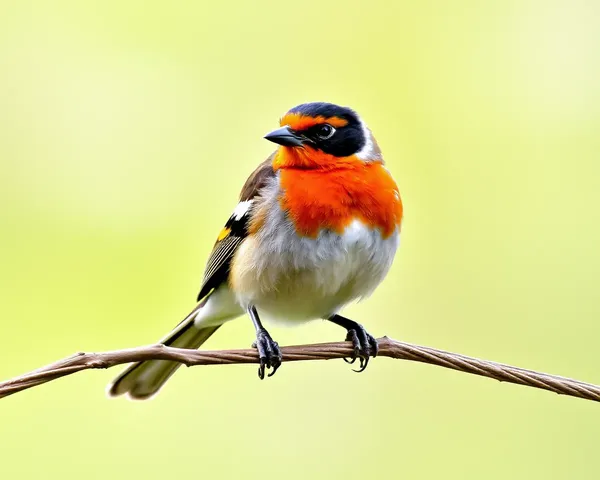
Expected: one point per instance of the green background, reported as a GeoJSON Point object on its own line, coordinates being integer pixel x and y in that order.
{"type": "Point", "coordinates": [126, 131]}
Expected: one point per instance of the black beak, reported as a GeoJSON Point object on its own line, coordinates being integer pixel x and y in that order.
{"type": "Point", "coordinates": [285, 136]}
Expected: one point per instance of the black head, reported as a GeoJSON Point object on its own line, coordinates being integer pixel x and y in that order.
{"type": "Point", "coordinates": [334, 130]}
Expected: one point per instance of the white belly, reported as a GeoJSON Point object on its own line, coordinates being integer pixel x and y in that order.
{"type": "Point", "coordinates": [292, 279]}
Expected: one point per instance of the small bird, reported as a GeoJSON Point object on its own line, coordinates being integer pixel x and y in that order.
{"type": "Point", "coordinates": [317, 226]}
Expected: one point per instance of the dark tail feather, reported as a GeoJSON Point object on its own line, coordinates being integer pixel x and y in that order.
{"type": "Point", "coordinates": [142, 380]}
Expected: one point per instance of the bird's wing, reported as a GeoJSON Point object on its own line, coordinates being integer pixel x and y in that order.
{"type": "Point", "coordinates": [235, 230]}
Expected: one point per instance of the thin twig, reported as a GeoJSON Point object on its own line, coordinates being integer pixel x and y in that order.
{"type": "Point", "coordinates": [323, 351]}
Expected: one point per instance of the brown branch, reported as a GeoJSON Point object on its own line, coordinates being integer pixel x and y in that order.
{"type": "Point", "coordinates": [323, 351]}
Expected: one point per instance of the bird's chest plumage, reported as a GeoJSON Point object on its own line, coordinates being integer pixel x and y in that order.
{"type": "Point", "coordinates": [331, 200]}
{"type": "Point", "coordinates": [307, 260]}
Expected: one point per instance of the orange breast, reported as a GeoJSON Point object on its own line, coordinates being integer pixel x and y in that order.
{"type": "Point", "coordinates": [318, 199]}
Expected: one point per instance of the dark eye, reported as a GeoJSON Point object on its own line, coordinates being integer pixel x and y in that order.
{"type": "Point", "coordinates": [325, 131]}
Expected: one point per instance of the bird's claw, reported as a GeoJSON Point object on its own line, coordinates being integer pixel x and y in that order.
{"type": "Point", "coordinates": [364, 347]}
{"type": "Point", "coordinates": [268, 352]}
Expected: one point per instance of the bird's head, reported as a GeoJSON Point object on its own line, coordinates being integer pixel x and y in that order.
{"type": "Point", "coordinates": [323, 135]}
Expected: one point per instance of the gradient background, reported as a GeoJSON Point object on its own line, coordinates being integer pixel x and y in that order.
{"type": "Point", "coordinates": [126, 131]}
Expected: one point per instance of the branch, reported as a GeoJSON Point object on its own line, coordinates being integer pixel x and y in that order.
{"type": "Point", "coordinates": [323, 351]}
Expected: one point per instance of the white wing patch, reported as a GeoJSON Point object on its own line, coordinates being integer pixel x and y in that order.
{"type": "Point", "coordinates": [241, 209]}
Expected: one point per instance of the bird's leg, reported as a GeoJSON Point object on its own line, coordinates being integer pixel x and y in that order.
{"type": "Point", "coordinates": [268, 349]}
{"type": "Point", "coordinates": [364, 344]}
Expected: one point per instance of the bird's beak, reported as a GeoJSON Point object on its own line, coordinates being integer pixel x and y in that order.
{"type": "Point", "coordinates": [285, 136]}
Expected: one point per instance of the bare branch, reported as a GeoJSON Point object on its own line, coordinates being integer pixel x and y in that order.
{"type": "Point", "coordinates": [323, 351]}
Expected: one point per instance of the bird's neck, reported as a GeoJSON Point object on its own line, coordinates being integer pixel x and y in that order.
{"type": "Point", "coordinates": [332, 198]}
{"type": "Point", "coordinates": [307, 158]}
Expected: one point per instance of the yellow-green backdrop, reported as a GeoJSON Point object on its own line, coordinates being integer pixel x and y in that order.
{"type": "Point", "coordinates": [126, 131]}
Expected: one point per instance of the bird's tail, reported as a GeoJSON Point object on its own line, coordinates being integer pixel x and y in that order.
{"type": "Point", "coordinates": [142, 380]}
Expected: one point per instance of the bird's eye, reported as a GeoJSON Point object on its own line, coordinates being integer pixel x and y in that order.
{"type": "Point", "coordinates": [325, 131]}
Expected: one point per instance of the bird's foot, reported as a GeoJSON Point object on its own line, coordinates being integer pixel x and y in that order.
{"type": "Point", "coordinates": [269, 353]}
{"type": "Point", "coordinates": [364, 346]}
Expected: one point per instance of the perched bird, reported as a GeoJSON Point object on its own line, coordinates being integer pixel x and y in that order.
{"type": "Point", "coordinates": [316, 227]}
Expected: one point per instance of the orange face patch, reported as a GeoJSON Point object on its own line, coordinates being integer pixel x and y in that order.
{"type": "Point", "coordinates": [300, 122]}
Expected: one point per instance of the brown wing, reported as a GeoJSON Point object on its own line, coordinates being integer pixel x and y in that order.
{"type": "Point", "coordinates": [235, 230]}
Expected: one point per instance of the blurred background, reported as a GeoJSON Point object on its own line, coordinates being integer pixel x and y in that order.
{"type": "Point", "coordinates": [123, 124]}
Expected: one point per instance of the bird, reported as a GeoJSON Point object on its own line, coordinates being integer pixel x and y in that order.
{"type": "Point", "coordinates": [317, 226]}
